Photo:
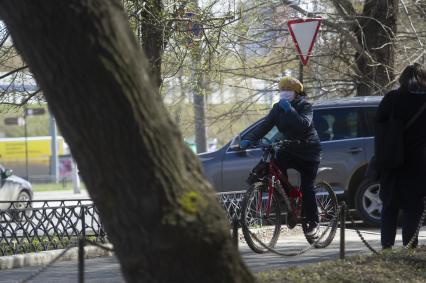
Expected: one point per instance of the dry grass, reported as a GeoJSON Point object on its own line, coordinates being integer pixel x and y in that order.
{"type": "Point", "coordinates": [390, 266]}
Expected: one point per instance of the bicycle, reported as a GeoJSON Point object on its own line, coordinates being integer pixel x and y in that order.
{"type": "Point", "coordinates": [262, 212]}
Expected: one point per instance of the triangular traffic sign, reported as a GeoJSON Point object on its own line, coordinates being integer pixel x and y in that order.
{"type": "Point", "coordinates": [304, 32]}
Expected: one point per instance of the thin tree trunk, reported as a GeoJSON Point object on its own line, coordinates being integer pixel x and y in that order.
{"type": "Point", "coordinates": [152, 37]}
{"type": "Point", "coordinates": [199, 104]}
{"type": "Point", "coordinates": [162, 217]}
{"type": "Point", "coordinates": [200, 123]}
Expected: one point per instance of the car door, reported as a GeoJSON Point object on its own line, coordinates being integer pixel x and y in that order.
{"type": "Point", "coordinates": [341, 135]}
{"type": "Point", "coordinates": [237, 163]}
{"type": "Point", "coordinates": [369, 116]}
{"type": "Point", "coordinates": [7, 189]}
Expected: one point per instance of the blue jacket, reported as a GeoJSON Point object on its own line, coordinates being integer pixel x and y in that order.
{"type": "Point", "coordinates": [295, 124]}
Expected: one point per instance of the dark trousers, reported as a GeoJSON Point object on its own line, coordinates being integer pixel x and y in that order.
{"type": "Point", "coordinates": [308, 173]}
{"type": "Point", "coordinates": [410, 221]}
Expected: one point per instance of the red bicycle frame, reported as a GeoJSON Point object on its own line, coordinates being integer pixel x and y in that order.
{"type": "Point", "coordinates": [292, 192]}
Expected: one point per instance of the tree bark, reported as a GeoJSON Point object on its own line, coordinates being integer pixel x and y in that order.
{"type": "Point", "coordinates": [199, 100]}
{"type": "Point", "coordinates": [152, 36]}
{"type": "Point", "coordinates": [160, 214]}
{"type": "Point", "coordinates": [200, 122]}
{"type": "Point", "coordinates": [376, 33]}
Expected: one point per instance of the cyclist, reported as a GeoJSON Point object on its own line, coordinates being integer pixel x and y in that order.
{"type": "Point", "coordinates": [292, 115]}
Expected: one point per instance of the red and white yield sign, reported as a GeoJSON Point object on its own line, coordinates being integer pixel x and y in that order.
{"type": "Point", "coordinates": [304, 33]}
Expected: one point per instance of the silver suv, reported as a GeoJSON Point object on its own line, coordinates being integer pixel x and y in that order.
{"type": "Point", "coordinates": [346, 130]}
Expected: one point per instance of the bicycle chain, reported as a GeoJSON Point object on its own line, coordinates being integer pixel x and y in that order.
{"type": "Point", "coordinates": [308, 248]}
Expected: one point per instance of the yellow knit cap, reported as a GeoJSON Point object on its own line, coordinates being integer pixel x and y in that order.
{"type": "Point", "coordinates": [290, 83]}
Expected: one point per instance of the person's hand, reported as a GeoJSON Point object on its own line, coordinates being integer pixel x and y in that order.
{"type": "Point", "coordinates": [284, 104]}
{"type": "Point", "coordinates": [244, 144]}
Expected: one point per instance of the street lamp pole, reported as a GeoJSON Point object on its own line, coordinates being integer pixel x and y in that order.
{"type": "Point", "coordinates": [26, 142]}
{"type": "Point", "coordinates": [54, 169]}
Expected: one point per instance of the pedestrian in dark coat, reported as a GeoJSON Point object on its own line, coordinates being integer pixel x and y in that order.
{"type": "Point", "coordinates": [293, 115]}
{"type": "Point", "coordinates": [404, 187]}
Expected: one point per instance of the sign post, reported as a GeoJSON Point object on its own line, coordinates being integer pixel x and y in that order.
{"type": "Point", "coordinates": [304, 33]}
{"type": "Point", "coordinates": [29, 112]}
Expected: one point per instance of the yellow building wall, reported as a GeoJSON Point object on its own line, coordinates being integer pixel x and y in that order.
{"type": "Point", "coordinates": [14, 150]}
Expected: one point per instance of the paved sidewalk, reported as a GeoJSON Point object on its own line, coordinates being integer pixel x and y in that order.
{"type": "Point", "coordinates": [107, 269]}
{"type": "Point", "coordinates": [60, 195]}
{"type": "Point", "coordinates": [99, 270]}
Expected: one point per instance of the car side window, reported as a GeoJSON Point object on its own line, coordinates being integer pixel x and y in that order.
{"type": "Point", "coordinates": [337, 123]}
{"type": "Point", "coordinates": [370, 117]}
{"type": "Point", "coordinates": [274, 135]}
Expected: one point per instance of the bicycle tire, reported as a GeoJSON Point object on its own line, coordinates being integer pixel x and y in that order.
{"type": "Point", "coordinates": [327, 209]}
{"type": "Point", "coordinates": [265, 227]}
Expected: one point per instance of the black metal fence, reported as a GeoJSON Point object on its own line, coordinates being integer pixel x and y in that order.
{"type": "Point", "coordinates": [231, 202]}
{"type": "Point", "coordinates": [30, 226]}
{"type": "Point", "coordinates": [47, 224]}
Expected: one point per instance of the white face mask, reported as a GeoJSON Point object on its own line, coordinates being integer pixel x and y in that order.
{"type": "Point", "coordinates": [287, 94]}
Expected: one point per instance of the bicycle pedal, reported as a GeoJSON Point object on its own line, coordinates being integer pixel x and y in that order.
{"type": "Point", "coordinates": [291, 224]}
{"type": "Point", "coordinates": [291, 221]}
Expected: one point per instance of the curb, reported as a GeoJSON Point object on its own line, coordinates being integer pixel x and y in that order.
{"type": "Point", "coordinates": [45, 257]}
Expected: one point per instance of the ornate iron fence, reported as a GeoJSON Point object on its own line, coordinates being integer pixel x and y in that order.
{"type": "Point", "coordinates": [231, 202]}
{"type": "Point", "coordinates": [30, 226]}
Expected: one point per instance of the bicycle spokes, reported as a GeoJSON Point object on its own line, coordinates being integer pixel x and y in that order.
{"type": "Point", "coordinates": [327, 209]}
{"type": "Point", "coordinates": [326, 206]}
{"type": "Point", "coordinates": [260, 217]}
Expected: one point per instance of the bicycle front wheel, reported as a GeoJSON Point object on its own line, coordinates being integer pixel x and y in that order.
{"type": "Point", "coordinates": [260, 222]}
{"type": "Point", "coordinates": [327, 209]}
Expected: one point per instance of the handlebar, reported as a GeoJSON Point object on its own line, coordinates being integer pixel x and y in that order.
{"type": "Point", "coordinates": [279, 144]}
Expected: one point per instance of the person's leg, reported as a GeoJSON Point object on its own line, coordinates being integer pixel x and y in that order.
{"type": "Point", "coordinates": [284, 161]}
{"type": "Point", "coordinates": [411, 218]}
{"type": "Point", "coordinates": [308, 174]}
{"type": "Point", "coordinates": [388, 225]}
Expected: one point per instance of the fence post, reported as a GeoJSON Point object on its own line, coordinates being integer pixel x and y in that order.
{"type": "Point", "coordinates": [83, 221]}
{"type": "Point", "coordinates": [81, 260]}
{"type": "Point", "coordinates": [81, 243]}
{"type": "Point", "coordinates": [235, 232]}
{"type": "Point", "coordinates": [342, 229]}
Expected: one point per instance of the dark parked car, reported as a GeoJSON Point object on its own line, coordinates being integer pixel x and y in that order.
{"type": "Point", "coordinates": [346, 129]}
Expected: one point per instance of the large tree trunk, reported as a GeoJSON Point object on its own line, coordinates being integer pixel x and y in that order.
{"type": "Point", "coordinates": [162, 217]}
{"type": "Point", "coordinates": [376, 34]}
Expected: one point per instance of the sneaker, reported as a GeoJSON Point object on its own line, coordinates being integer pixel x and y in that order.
{"type": "Point", "coordinates": [312, 229]}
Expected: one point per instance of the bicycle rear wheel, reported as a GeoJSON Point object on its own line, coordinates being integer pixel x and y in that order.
{"type": "Point", "coordinates": [327, 209]}
{"type": "Point", "coordinates": [259, 222]}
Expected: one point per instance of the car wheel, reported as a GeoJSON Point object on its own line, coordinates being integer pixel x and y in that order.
{"type": "Point", "coordinates": [22, 202]}
{"type": "Point", "coordinates": [368, 203]}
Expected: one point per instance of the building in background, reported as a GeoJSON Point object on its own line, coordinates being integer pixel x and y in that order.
{"type": "Point", "coordinates": [14, 153]}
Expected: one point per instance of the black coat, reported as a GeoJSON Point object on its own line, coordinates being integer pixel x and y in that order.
{"type": "Point", "coordinates": [404, 184]}
{"type": "Point", "coordinates": [295, 124]}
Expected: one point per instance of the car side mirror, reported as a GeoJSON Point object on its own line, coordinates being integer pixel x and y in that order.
{"type": "Point", "coordinates": [235, 143]}
{"type": "Point", "coordinates": [6, 173]}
